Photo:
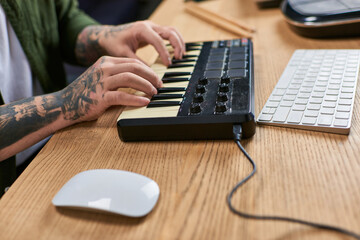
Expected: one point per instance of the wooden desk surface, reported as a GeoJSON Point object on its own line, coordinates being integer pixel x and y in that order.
{"type": "Point", "coordinates": [303, 174]}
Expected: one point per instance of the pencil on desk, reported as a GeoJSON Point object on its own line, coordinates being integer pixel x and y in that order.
{"type": "Point", "coordinates": [228, 24]}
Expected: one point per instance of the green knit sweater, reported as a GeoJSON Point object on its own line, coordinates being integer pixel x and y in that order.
{"type": "Point", "coordinates": [47, 31]}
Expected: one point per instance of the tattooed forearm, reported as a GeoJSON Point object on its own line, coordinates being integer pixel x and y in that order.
{"type": "Point", "coordinates": [88, 47]}
{"type": "Point", "coordinates": [27, 116]}
{"type": "Point", "coordinates": [24, 117]}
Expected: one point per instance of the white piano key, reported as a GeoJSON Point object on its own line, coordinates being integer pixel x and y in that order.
{"type": "Point", "coordinates": [144, 112]}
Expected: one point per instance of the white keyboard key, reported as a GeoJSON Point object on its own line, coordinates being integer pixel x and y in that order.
{"type": "Point", "coordinates": [327, 111]}
{"type": "Point", "coordinates": [325, 120]}
{"type": "Point", "coordinates": [347, 90]}
{"type": "Point", "coordinates": [301, 101]}
{"type": "Point", "coordinates": [327, 104]}
{"type": "Point", "coordinates": [272, 104]}
{"type": "Point", "coordinates": [342, 115]}
{"type": "Point", "coordinates": [334, 86]}
{"type": "Point", "coordinates": [346, 96]}
{"type": "Point", "coordinates": [345, 102]}
{"type": "Point", "coordinates": [334, 80]}
{"type": "Point", "coordinates": [321, 84]}
{"type": "Point", "coordinates": [289, 97]}
{"type": "Point", "coordinates": [309, 120]}
{"type": "Point", "coordinates": [319, 89]}
{"type": "Point", "coordinates": [315, 100]}
{"type": "Point", "coordinates": [342, 108]}
{"type": "Point", "coordinates": [314, 107]}
{"type": "Point", "coordinates": [272, 110]}
{"type": "Point", "coordinates": [265, 117]}
{"type": "Point", "coordinates": [322, 79]}
{"type": "Point", "coordinates": [317, 94]}
{"type": "Point", "coordinates": [331, 98]}
{"type": "Point", "coordinates": [347, 79]}
{"type": "Point", "coordinates": [281, 114]}
{"type": "Point", "coordinates": [292, 92]}
{"type": "Point", "coordinates": [332, 92]}
{"type": "Point", "coordinates": [298, 107]}
{"type": "Point", "coordinates": [308, 84]}
{"type": "Point", "coordinates": [350, 74]}
{"type": "Point", "coordinates": [294, 117]}
{"type": "Point", "coordinates": [305, 90]}
{"type": "Point", "coordinates": [341, 122]}
{"type": "Point", "coordinates": [310, 113]}
{"type": "Point", "coordinates": [266, 110]}
{"type": "Point", "coordinates": [286, 103]}
{"type": "Point", "coordinates": [294, 86]}
{"type": "Point", "coordinates": [297, 81]}
{"type": "Point", "coordinates": [304, 95]}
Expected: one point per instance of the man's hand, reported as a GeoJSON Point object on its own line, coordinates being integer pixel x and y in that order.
{"type": "Point", "coordinates": [124, 40]}
{"type": "Point", "coordinates": [25, 122]}
{"type": "Point", "coordinates": [96, 89]}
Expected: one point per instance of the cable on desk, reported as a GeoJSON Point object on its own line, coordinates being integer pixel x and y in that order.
{"type": "Point", "coordinates": [237, 131]}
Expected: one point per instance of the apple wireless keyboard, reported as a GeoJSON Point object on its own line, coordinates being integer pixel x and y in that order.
{"type": "Point", "coordinates": [315, 92]}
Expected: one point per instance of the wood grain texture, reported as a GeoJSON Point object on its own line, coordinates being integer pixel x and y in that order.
{"type": "Point", "coordinates": [308, 175]}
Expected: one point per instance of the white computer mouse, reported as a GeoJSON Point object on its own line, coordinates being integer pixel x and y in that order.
{"type": "Point", "coordinates": [115, 191]}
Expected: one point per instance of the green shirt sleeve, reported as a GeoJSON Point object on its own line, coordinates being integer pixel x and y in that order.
{"type": "Point", "coordinates": [71, 21]}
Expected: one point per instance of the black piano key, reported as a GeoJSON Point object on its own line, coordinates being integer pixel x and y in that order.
{"type": "Point", "coordinates": [188, 44]}
{"type": "Point", "coordinates": [175, 74]}
{"type": "Point", "coordinates": [188, 49]}
{"type": "Point", "coordinates": [171, 89]}
{"type": "Point", "coordinates": [189, 56]}
{"type": "Point", "coordinates": [172, 80]}
{"type": "Point", "coordinates": [193, 44]}
{"type": "Point", "coordinates": [180, 65]}
{"type": "Point", "coordinates": [174, 61]}
{"type": "Point", "coordinates": [166, 96]}
{"type": "Point", "coordinates": [163, 104]}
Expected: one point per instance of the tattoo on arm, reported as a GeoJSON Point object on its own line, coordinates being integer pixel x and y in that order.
{"type": "Point", "coordinates": [29, 115]}
{"type": "Point", "coordinates": [88, 48]}
{"type": "Point", "coordinates": [76, 97]}
{"type": "Point", "coordinates": [26, 116]}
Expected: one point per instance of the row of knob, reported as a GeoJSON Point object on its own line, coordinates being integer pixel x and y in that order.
{"type": "Point", "coordinates": [221, 98]}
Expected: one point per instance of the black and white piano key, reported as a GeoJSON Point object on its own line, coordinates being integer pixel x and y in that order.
{"type": "Point", "coordinates": [175, 79]}
{"type": "Point", "coordinates": [193, 48]}
{"type": "Point", "coordinates": [156, 104]}
{"type": "Point", "coordinates": [166, 96]}
{"type": "Point", "coordinates": [192, 44]}
{"type": "Point", "coordinates": [176, 74]}
{"type": "Point", "coordinates": [171, 89]}
{"type": "Point", "coordinates": [179, 65]}
{"type": "Point", "coordinates": [175, 61]}
{"type": "Point", "coordinates": [186, 56]}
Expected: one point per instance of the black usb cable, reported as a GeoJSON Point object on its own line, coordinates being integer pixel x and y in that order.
{"type": "Point", "coordinates": [237, 131]}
